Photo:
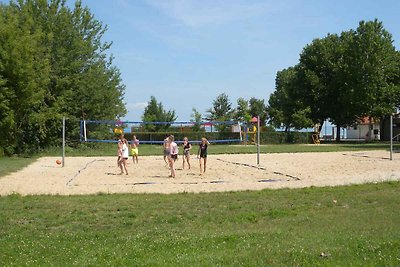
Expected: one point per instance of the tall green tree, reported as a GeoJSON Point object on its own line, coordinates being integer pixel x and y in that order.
{"type": "Point", "coordinates": [221, 111]}
{"type": "Point", "coordinates": [322, 81]}
{"type": "Point", "coordinates": [375, 68]}
{"type": "Point", "coordinates": [349, 76]}
{"type": "Point", "coordinates": [257, 107]}
{"type": "Point", "coordinates": [340, 77]}
{"type": "Point", "coordinates": [83, 74]}
{"type": "Point", "coordinates": [285, 106]}
{"type": "Point", "coordinates": [155, 112]}
{"type": "Point", "coordinates": [53, 64]}
{"type": "Point", "coordinates": [25, 70]}
{"type": "Point", "coordinates": [197, 119]}
{"type": "Point", "coordinates": [242, 111]}
{"type": "Point", "coordinates": [7, 122]}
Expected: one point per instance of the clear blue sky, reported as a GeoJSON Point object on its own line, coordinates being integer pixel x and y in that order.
{"type": "Point", "coordinates": [187, 52]}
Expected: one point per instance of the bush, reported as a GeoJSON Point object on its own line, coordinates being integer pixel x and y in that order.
{"type": "Point", "coordinates": [285, 138]}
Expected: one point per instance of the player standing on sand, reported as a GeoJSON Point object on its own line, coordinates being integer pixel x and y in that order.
{"type": "Point", "coordinates": [186, 152]}
{"type": "Point", "coordinates": [125, 155]}
{"type": "Point", "coordinates": [202, 155]}
{"type": "Point", "coordinates": [135, 149]}
{"type": "Point", "coordinates": [166, 150]}
{"type": "Point", "coordinates": [120, 159]}
{"type": "Point", "coordinates": [173, 155]}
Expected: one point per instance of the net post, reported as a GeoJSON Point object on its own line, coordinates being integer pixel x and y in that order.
{"type": "Point", "coordinates": [84, 131]}
{"type": "Point", "coordinates": [80, 131]}
{"type": "Point", "coordinates": [240, 132]}
{"type": "Point", "coordinates": [258, 140]}
{"type": "Point", "coordinates": [63, 142]}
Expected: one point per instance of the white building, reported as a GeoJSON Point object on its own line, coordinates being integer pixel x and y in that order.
{"type": "Point", "coordinates": [361, 130]}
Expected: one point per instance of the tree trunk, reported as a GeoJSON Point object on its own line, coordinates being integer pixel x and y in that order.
{"type": "Point", "coordinates": [382, 129]}
{"type": "Point", "coordinates": [369, 129]}
{"type": "Point", "coordinates": [338, 133]}
{"type": "Point", "coordinates": [320, 126]}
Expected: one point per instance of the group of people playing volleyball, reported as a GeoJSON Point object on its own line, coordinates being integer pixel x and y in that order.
{"type": "Point", "coordinates": [171, 152]}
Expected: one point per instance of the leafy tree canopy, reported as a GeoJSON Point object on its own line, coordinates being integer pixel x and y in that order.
{"type": "Point", "coordinates": [196, 117]}
{"type": "Point", "coordinates": [257, 107]}
{"type": "Point", "coordinates": [341, 78]}
{"type": "Point", "coordinates": [155, 112]}
{"type": "Point", "coordinates": [221, 111]}
{"type": "Point", "coordinates": [53, 64]}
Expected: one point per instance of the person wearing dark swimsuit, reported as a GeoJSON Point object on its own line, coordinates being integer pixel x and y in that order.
{"type": "Point", "coordinates": [202, 155]}
{"type": "Point", "coordinates": [186, 152]}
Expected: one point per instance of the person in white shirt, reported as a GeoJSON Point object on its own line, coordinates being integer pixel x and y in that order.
{"type": "Point", "coordinates": [173, 155]}
{"type": "Point", "coordinates": [125, 156]}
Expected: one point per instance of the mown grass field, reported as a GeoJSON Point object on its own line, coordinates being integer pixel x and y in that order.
{"type": "Point", "coordinates": [343, 226]}
{"type": "Point", "coordinates": [12, 164]}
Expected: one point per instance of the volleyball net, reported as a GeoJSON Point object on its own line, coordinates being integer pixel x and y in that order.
{"type": "Point", "coordinates": [155, 132]}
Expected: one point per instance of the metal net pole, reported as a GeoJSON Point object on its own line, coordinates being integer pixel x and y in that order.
{"type": "Point", "coordinates": [258, 140]}
{"type": "Point", "coordinates": [63, 143]}
{"type": "Point", "coordinates": [391, 137]}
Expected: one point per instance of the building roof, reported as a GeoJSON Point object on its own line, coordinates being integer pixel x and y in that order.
{"type": "Point", "coordinates": [366, 121]}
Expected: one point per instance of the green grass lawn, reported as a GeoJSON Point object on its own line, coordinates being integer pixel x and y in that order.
{"type": "Point", "coordinates": [341, 226]}
{"type": "Point", "coordinates": [12, 164]}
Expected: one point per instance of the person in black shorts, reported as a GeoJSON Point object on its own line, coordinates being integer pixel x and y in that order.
{"type": "Point", "coordinates": [186, 152]}
{"type": "Point", "coordinates": [202, 155]}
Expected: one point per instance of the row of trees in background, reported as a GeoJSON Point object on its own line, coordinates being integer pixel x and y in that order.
{"type": "Point", "coordinates": [53, 63]}
{"type": "Point", "coordinates": [341, 78]}
{"type": "Point", "coordinates": [221, 110]}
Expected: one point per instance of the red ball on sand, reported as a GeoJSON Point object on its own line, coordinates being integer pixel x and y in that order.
{"type": "Point", "coordinates": [58, 162]}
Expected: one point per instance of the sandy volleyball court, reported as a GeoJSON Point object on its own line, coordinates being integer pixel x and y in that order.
{"type": "Point", "coordinates": [91, 175]}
